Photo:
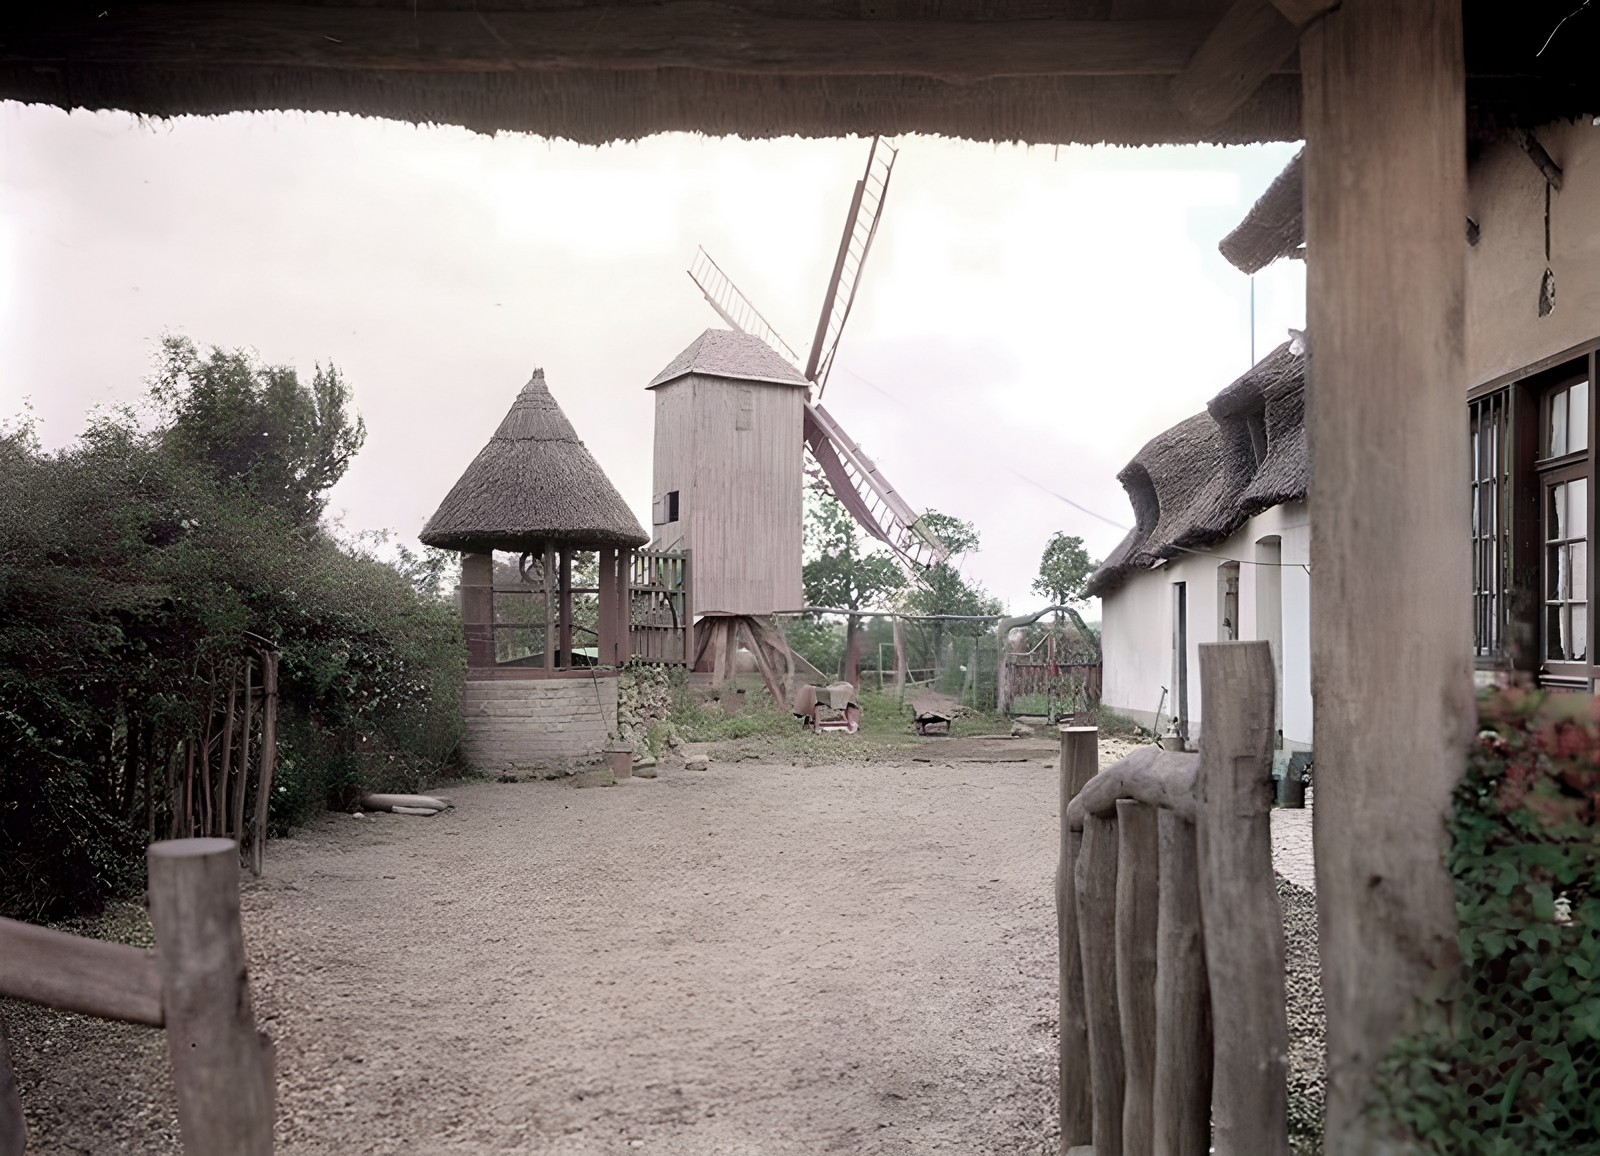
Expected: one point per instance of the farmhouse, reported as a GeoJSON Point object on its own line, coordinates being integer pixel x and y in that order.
{"type": "Point", "coordinates": [1221, 545]}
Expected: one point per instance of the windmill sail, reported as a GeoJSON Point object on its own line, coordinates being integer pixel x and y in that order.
{"type": "Point", "coordinates": [866, 208]}
{"type": "Point", "coordinates": [866, 493]}
{"type": "Point", "coordinates": [734, 307]}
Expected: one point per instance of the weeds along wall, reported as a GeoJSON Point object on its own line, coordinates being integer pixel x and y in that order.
{"type": "Point", "coordinates": [1509, 1060]}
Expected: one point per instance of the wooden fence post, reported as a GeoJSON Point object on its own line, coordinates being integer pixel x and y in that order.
{"type": "Point", "coordinates": [13, 1129]}
{"type": "Point", "coordinates": [1080, 757]}
{"type": "Point", "coordinates": [1138, 904]}
{"type": "Point", "coordinates": [1244, 952]}
{"type": "Point", "coordinates": [222, 1068]}
{"type": "Point", "coordinates": [1096, 898]}
{"type": "Point", "coordinates": [1182, 1103]}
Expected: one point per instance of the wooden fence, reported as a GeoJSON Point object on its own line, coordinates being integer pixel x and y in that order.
{"type": "Point", "coordinates": [193, 984]}
{"type": "Point", "coordinates": [660, 613]}
{"type": "Point", "coordinates": [1076, 685]}
{"type": "Point", "coordinates": [1174, 1032]}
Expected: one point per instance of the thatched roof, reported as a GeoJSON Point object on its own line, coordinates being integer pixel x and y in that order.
{"type": "Point", "coordinates": [731, 354]}
{"type": "Point", "coordinates": [1199, 481]}
{"type": "Point", "coordinates": [1275, 226]}
{"type": "Point", "coordinates": [533, 483]}
{"type": "Point", "coordinates": [1042, 71]}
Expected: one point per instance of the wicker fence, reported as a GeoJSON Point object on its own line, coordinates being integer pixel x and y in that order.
{"type": "Point", "coordinates": [1174, 1033]}
{"type": "Point", "coordinates": [193, 984]}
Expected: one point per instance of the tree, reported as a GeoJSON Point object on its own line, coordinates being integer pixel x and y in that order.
{"type": "Point", "coordinates": [842, 571]}
{"type": "Point", "coordinates": [941, 589]}
{"type": "Point", "coordinates": [1064, 569]}
{"type": "Point", "coordinates": [258, 425]}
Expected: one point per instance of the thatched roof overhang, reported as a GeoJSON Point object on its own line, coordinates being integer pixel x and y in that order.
{"type": "Point", "coordinates": [730, 354]}
{"type": "Point", "coordinates": [1196, 483]}
{"type": "Point", "coordinates": [1275, 226]}
{"type": "Point", "coordinates": [1043, 71]}
{"type": "Point", "coordinates": [534, 484]}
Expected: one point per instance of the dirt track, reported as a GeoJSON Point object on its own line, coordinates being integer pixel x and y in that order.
{"type": "Point", "coordinates": [748, 960]}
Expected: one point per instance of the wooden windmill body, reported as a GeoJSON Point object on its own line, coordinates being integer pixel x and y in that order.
{"type": "Point", "coordinates": [740, 432]}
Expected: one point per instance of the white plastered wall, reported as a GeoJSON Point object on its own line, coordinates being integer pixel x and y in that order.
{"type": "Point", "coordinates": [1136, 623]}
{"type": "Point", "coordinates": [1506, 197]}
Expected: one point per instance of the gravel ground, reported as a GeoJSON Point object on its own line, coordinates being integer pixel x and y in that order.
{"type": "Point", "coordinates": [752, 960]}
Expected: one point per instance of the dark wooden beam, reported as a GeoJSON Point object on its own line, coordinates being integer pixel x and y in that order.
{"type": "Point", "coordinates": [689, 34]}
{"type": "Point", "coordinates": [1251, 42]}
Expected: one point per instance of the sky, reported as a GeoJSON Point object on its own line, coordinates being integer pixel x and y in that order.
{"type": "Point", "coordinates": [1028, 317]}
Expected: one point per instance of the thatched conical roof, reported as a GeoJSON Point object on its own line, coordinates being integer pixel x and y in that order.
{"type": "Point", "coordinates": [534, 482]}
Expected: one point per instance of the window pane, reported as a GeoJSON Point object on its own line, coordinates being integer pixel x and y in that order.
{"type": "Point", "coordinates": [1578, 571]}
{"type": "Point", "coordinates": [1555, 573]}
{"type": "Point", "coordinates": [1556, 441]}
{"type": "Point", "coordinates": [1578, 417]}
{"type": "Point", "coordinates": [1577, 522]}
{"type": "Point", "coordinates": [1553, 636]}
{"type": "Point", "coordinates": [1555, 512]}
{"type": "Point", "coordinates": [1578, 631]}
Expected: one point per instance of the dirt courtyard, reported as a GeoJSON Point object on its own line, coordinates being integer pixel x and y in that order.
{"type": "Point", "coordinates": [748, 960]}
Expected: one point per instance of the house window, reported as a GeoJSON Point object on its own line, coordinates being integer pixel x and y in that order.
{"type": "Point", "coordinates": [665, 508]}
{"type": "Point", "coordinates": [747, 407]}
{"type": "Point", "coordinates": [1564, 470]}
{"type": "Point", "coordinates": [671, 504]}
{"type": "Point", "coordinates": [1491, 541]}
{"type": "Point", "coordinates": [1228, 602]}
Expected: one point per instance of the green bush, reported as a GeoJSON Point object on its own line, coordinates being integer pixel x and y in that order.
{"type": "Point", "coordinates": [138, 565]}
{"type": "Point", "coordinates": [1509, 1062]}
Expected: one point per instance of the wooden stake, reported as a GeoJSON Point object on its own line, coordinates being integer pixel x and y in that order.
{"type": "Point", "coordinates": [222, 1067]}
{"type": "Point", "coordinates": [242, 773]}
{"type": "Point", "coordinates": [900, 659]}
{"type": "Point", "coordinates": [269, 757]}
{"type": "Point", "coordinates": [1182, 1100]}
{"type": "Point", "coordinates": [225, 770]}
{"type": "Point", "coordinates": [1096, 891]}
{"type": "Point", "coordinates": [1391, 635]}
{"type": "Point", "coordinates": [1079, 760]}
{"type": "Point", "coordinates": [1138, 905]}
{"type": "Point", "coordinates": [1239, 902]}
{"type": "Point", "coordinates": [13, 1128]}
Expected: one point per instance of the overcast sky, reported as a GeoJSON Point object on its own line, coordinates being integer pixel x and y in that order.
{"type": "Point", "coordinates": [1029, 317]}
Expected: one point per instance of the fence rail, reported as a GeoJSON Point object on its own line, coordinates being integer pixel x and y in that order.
{"type": "Point", "coordinates": [1174, 1031]}
{"type": "Point", "coordinates": [660, 609]}
{"type": "Point", "coordinates": [193, 984]}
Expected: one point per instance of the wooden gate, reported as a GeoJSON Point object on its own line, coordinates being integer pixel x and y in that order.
{"type": "Point", "coordinates": [1174, 1029]}
{"type": "Point", "coordinates": [660, 608]}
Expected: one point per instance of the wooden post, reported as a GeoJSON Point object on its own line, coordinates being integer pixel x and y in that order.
{"type": "Point", "coordinates": [242, 772]}
{"type": "Point", "coordinates": [221, 1066]}
{"type": "Point", "coordinates": [269, 757]}
{"type": "Point", "coordinates": [225, 763]}
{"type": "Point", "coordinates": [1182, 1107]}
{"type": "Point", "coordinates": [1239, 902]}
{"type": "Point", "coordinates": [1096, 898]}
{"type": "Point", "coordinates": [13, 1128]}
{"type": "Point", "coordinates": [1384, 121]}
{"type": "Point", "coordinates": [1080, 757]}
{"type": "Point", "coordinates": [900, 662]}
{"type": "Point", "coordinates": [565, 608]}
{"type": "Point", "coordinates": [477, 608]}
{"type": "Point", "coordinates": [1138, 905]}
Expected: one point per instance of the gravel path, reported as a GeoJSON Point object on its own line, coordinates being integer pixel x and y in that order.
{"type": "Point", "coordinates": [752, 960]}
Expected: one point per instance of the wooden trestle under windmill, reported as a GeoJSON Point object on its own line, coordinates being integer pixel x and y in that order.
{"type": "Point", "coordinates": [739, 428]}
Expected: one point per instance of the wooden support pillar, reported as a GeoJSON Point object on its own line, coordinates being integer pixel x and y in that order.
{"type": "Point", "coordinates": [1095, 887]}
{"type": "Point", "coordinates": [1138, 905]}
{"type": "Point", "coordinates": [477, 608]}
{"type": "Point", "coordinates": [1244, 952]}
{"type": "Point", "coordinates": [900, 662]}
{"type": "Point", "coordinates": [606, 600]}
{"type": "Point", "coordinates": [222, 1068]}
{"type": "Point", "coordinates": [564, 609]}
{"type": "Point", "coordinates": [1080, 756]}
{"type": "Point", "coordinates": [1391, 639]}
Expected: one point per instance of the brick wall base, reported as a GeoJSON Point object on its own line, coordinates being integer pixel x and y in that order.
{"type": "Point", "coordinates": [538, 722]}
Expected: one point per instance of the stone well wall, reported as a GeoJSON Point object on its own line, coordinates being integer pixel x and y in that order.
{"type": "Point", "coordinates": [524, 723]}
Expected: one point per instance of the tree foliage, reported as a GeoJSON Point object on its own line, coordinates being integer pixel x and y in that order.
{"type": "Point", "coordinates": [941, 588]}
{"type": "Point", "coordinates": [138, 564]}
{"type": "Point", "coordinates": [840, 569]}
{"type": "Point", "coordinates": [1063, 569]}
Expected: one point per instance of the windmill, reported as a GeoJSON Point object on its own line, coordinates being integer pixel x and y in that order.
{"type": "Point", "coordinates": [740, 427]}
{"type": "Point", "coordinates": [833, 457]}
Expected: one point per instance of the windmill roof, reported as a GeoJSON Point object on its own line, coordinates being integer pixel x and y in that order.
{"type": "Point", "coordinates": [535, 482]}
{"type": "Point", "coordinates": [730, 353]}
